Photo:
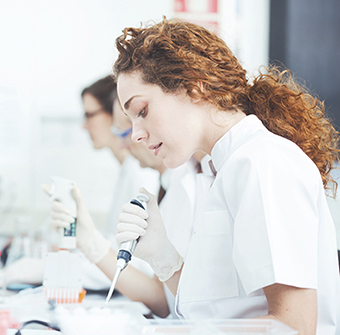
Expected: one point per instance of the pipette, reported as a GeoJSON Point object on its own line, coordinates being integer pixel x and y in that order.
{"type": "Point", "coordinates": [126, 248]}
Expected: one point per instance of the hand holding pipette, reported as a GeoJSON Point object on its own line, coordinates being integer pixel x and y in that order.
{"type": "Point", "coordinates": [61, 192]}
{"type": "Point", "coordinates": [154, 246]}
{"type": "Point", "coordinates": [89, 240]}
{"type": "Point", "coordinates": [127, 248]}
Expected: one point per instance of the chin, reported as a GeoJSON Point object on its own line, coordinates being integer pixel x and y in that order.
{"type": "Point", "coordinates": [97, 146]}
{"type": "Point", "coordinates": [172, 164]}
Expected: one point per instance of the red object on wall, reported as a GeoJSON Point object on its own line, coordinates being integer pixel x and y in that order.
{"type": "Point", "coordinates": [213, 6]}
{"type": "Point", "coordinates": [180, 6]}
{"type": "Point", "coordinates": [183, 6]}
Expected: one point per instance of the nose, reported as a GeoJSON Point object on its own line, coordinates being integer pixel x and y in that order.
{"type": "Point", "coordinates": [138, 134]}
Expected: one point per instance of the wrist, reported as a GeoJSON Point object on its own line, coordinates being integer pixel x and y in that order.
{"type": "Point", "coordinates": [165, 264]}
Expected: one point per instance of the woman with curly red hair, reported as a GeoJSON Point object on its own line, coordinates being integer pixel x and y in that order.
{"type": "Point", "coordinates": [264, 241]}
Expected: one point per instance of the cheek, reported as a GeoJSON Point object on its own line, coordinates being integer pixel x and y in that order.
{"type": "Point", "coordinates": [134, 150]}
{"type": "Point", "coordinates": [159, 122]}
{"type": "Point", "coordinates": [102, 124]}
{"type": "Point", "coordinates": [174, 138]}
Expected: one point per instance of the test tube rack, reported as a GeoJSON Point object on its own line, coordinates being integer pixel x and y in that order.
{"type": "Point", "coordinates": [62, 277]}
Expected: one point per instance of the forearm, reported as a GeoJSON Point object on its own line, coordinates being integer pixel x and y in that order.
{"type": "Point", "coordinates": [136, 285]}
{"type": "Point", "coordinates": [297, 307]}
{"type": "Point", "coordinates": [172, 283]}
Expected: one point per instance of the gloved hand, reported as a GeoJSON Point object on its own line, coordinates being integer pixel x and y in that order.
{"type": "Point", "coordinates": [153, 246]}
{"type": "Point", "coordinates": [89, 240]}
{"type": "Point", "coordinates": [25, 270]}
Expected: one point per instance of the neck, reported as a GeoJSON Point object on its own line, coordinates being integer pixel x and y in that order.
{"type": "Point", "coordinates": [222, 122]}
{"type": "Point", "coordinates": [161, 169]}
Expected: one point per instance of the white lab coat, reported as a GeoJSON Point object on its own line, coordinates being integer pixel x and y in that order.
{"type": "Point", "coordinates": [178, 204]}
{"type": "Point", "coordinates": [265, 221]}
{"type": "Point", "coordinates": [334, 203]}
{"type": "Point", "coordinates": [178, 207]}
{"type": "Point", "coordinates": [131, 178]}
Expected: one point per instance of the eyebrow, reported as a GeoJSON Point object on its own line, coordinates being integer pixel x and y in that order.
{"type": "Point", "coordinates": [127, 104]}
{"type": "Point", "coordinates": [120, 104]}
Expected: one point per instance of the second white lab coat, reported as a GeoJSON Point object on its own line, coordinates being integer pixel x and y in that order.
{"type": "Point", "coordinates": [130, 179]}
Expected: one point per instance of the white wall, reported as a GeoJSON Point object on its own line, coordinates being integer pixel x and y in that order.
{"type": "Point", "coordinates": [245, 28]}
{"type": "Point", "coordinates": [50, 50]}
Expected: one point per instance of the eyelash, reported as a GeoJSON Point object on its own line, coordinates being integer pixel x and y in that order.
{"type": "Point", "coordinates": [143, 112]}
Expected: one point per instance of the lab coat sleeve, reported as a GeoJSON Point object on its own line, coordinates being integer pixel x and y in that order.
{"type": "Point", "coordinates": [275, 218]}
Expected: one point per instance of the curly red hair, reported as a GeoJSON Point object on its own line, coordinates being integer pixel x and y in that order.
{"type": "Point", "coordinates": [180, 55]}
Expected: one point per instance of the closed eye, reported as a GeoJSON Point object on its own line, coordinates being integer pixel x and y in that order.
{"type": "Point", "coordinates": [143, 112]}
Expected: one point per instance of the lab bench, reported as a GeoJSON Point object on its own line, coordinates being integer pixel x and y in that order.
{"type": "Point", "coordinates": [30, 304]}
{"type": "Point", "coordinates": [123, 317]}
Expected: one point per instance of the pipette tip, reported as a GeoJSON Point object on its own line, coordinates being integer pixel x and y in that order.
{"type": "Point", "coordinates": [113, 285]}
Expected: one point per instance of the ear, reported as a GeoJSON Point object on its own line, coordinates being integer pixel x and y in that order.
{"type": "Point", "coordinates": [197, 93]}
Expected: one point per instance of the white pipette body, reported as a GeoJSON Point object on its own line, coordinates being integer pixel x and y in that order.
{"type": "Point", "coordinates": [62, 190]}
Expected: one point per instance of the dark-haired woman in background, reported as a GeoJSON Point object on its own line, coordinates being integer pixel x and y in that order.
{"type": "Point", "coordinates": [99, 102]}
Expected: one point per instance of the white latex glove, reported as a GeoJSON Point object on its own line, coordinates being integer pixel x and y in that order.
{"type": "Point", "coordinates": [153, 246]}
{"type": "Point", "coordinates": [89, 240]}
{"type": "Point", "coordinates": [25, 270]}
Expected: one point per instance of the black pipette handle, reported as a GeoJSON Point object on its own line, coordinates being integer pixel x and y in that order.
{"type": "Point", "coordinates": [127, 248]}
{"type": "Point", "coordinates": [136, 202]}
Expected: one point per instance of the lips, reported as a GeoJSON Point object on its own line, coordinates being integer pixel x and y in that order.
{"type": "Point", "coordinates": [156, 148]}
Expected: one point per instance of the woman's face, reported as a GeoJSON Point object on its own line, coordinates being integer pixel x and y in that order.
{"type": "Point", "coordinates": [145, 156]}
{"type": "Point", "coordinates": [169, 124]}
{"type": "Point", "coordinates": [139, 150]}
{"type": "Point", "coordinates": [97, 122]}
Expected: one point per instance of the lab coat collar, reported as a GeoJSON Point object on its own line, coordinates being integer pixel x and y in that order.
{"type": "Point", "coordinates": [205, 165]}
{"type": "Point", "coordinates": [234, 138]}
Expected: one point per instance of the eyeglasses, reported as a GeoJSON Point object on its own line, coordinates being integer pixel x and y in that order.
{"type": "Point", "coordinates": [119, 132]}
{"type": "Point", "coordinates": [89, 115]}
